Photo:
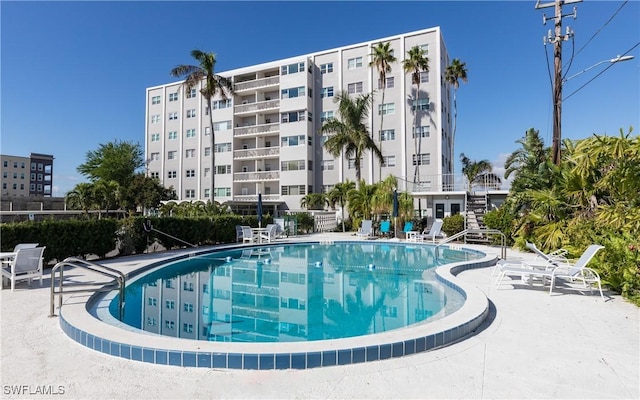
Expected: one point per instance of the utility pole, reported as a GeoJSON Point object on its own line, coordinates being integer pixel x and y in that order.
{"type": "Point", "coordinates": [557, 40]}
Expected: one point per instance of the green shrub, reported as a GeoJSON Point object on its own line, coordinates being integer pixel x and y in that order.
{"type": "Point", "coordinates": [453, 224]}
{"type": "Point", "coordinates": [502, 220]}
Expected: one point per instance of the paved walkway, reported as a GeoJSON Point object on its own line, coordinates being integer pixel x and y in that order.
{"type": "Point", "coordinates": [534, 346]}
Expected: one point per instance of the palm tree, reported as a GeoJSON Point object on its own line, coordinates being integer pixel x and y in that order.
{"type": "Point", "coordinates": [81, 197]}
{"type": "Point", "coordinates": [382, 57]}
{"type": "Point", "coordinates": [416, 63]}
{"type": "Point", "coordinates": [339, 194]}
{"type": "Point", "coordinates": [477, 171]}
{"type": "Point", "coordinates": [455, 72]}
{"type": "Point", "coordinates": [349, 133]}
{"type": "Point", "coordinates": [214, 85]}
{"type": "Point", "coordinates": [361, 200]}
{"type": "Point", "coordinates": [529, 164]}
{"type": "Point", "coordinates": [314, 201]}
{"type": "Point", "coordinates": [106, 195]}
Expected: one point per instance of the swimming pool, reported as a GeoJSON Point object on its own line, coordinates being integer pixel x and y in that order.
{"type": "Point", "coordinates": [90, 323]}
{"type": "Point", "coordinates": [293, 292]}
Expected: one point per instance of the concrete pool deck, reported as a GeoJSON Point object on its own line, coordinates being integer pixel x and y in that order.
{"type": "Point", "coordinates": [533, 345]}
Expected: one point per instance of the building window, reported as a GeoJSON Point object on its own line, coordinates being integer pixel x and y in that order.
{"type": "Point", "coordinates": [169, 324]}
{"type": "Point", "coordinates": [155, 156]}
{"type": "Point", "coordinates": [326, 92]}
{"type": "Point", "coordinates": [191, 113]}
{"type": "Point", "coordinates": [188, 328]}
{"type": "Point", "coordinates": [327, 165]}
{"type": "Point", "coordinates": [172, 154]}
{"type": "Point", "coordinates": [155, 118]}
{"type": "Point", "coordinates": [190, 93]}
{"type": "Point", "coordinates": [293, 92]}
{"type": "Point", "coordinates": [421, 131]}
{"type": "Point", "coordinates": [294, 190]}
{"type": "Point", "coordinates": [292, 68]}
{"type": "Point", "coordinates": [223, 169]}
{"type": "Point", "coordinates": [222, 147]}
{"type": "Point", "coordinates": [155, 100]}
{"type": "Point", "coordinates": [326, 68]}
{"type": "Point", "coordinates": [388, 134]}
{"type": "Point", "coordinates": [173, 135]}
{"type": "Point", "coordinates": [207, 131]}
{"type": "Point", "coordinates": [220, 104]}
{"type": "Point", "coordinates": [292, 141]}
{"type": "Point", "coordinates": [421, 104]}
{"type": "Point", "coordinates": [425, 48]}
{"type": "Point", "coordinates": [170, 304]}
{"type": "Point", "coordinates": [188, 307]}
{"type": "Point", "coordinates": [172, 174]}
{"type": "Point", "coordinates": [422, 159]}
{"type": "Point", "coordinates": [223, 192]}
{"type": "Point", "coordinates": [207, 151]}
{"type": "Point", "coordinates": [173, 116]}
{"type": "Point", "coordinates": [206, 172]}
{"type": "Point", "coordinates": [355, 87]}
{"type": "Point", "coordinates": [152, 301]}
{"type": "Point", "coordinates": [191, 173]}
{"type": "Point", "coordinates": [221, 126]}
{"type": "Point", "coordinates": [354, 63]}
{"type": "Point", "coordinates": [351, 163]}
{"type": "Point", "coordinates": [173, 96]}
{"type": "Point", "coordinates": [155, 175]}
{"type": "Point", "coordinates": [189, 153]}
{"type": "Point", "coordinates": [151, 321]}
{"type": "Point", "coordinates": [424, 76]}
{"type": "Point", "coordinates": [191, 133]}
{"type": "Point", "coordinates": [293, 116]}
{"type": "Point", "coordinates": [294, 165]}
{"type": "Point", "coordinates": [326, 115]}
{"type": "Point", "coordinates": [389, 85]}
{"type": "Point", "coordinates": [389, 161]}
{"type": "Point", "coordinates": [190, 193]}
{"type": "Point", "coordinates": [387, 108]}
{"type": "Point", "coordinates": [207, 193]}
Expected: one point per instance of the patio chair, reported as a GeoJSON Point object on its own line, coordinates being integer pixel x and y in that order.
{"type": "Point", "coordinates": [545, 261]}
{"type": "Point", "coordinates": [25, 246]}
{"type": "Point", "coordinates": [280, 232]}
{"type": "Point", "coordinates": [27, 264]}
{"type": "Point", "coordinates": [247, 234]}
{"type": "Point", "coordinates": [366, 229]}
{"type": "Point", "coordinates": [385, 228]}
{"type": "Point", "coordinates": [554, 257]}
{"type": "Point", "coordinates": [270, 234]}
{"type": "Point", "coordinates": [408, 231]}
{"type": "Point", "coordinates": [239, 233]}
{"type": "Point", "coordinates": [572, 272]}
{"type": "Point", "coordinates": [433, 233]}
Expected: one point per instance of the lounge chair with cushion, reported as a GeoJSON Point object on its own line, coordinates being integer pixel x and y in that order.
{"type": "Point", "coordinates": [408, 231]}
{"type": "Point", "coordinates": [27, 264]}
{"type": "Point", "coordinates": [366, 229]}
{"type": "Point", "coordinates": [269, 235]}
{"type": "Point", "coordinates": [247, 234]}
{"type": "Point", "coordinates": [434, 232]}
{"type": "Point", "coordinates": [543, 261]}
{"type": "Point", "coordinates": [385, 228]}
{"type": "Point", "coordinates": [573, 272]}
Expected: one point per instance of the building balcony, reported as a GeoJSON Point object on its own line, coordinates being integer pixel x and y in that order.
{"type": "Point", "coordinates": [256, 130]}
{"type": "Point", "coordinates": [257, 106]}
{"type": "Point", "coordinates": [253, 198]}
{"type": "Point", "coordinates": [256, 176]}
{"type": "Point", "coordinates": [451, 183]}
{"type": "Point", "coordinates": [262, 152]}
{"type": "Point", "coordinates": [257, 83]}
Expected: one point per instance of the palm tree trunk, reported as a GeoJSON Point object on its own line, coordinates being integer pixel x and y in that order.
{"type": "Point", "coordinates": [416, 174]}
{"type": "Point", "coordinates": [213, 152]}
{"type": "Point", "coordinates": [381, 121]}
{"type": "Point", "coordinates": [342, 211]}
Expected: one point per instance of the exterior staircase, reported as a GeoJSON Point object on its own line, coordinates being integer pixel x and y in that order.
{"type": "Point", "coordinates": [476, 208]}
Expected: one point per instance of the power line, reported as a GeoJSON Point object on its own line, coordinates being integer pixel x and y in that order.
{"type": "Point", "coordinates": [601, 72]}
{"type": "Point", "coordinates": [603, 26]}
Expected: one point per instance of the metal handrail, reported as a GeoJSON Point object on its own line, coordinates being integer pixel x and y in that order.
{"type": "Point", "coordinates": [503, 244]}
{"type": "Point", "coordinates": [98, 268]}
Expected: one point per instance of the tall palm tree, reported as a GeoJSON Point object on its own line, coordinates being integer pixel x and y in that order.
{"type": "Point", "coordinates": [314, 201]}
{"type": "Point", "coordinates": [381, 58]}
{"type": "Point", "coordinates": [214, 85]}
{"type": "Point", "coordinates": [349, 132]}
{"type": "Point", "coordinates": [340, 194]}
{"type": "Point", "coordinates": [477, 171]}
{"type": "Point", "coordinates": [416, 63]}
{"type": "Point", "coordinates": [454, 73]}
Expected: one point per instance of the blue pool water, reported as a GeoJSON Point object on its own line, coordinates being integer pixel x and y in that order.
{"type": "Point", "coordinates": [293, 292]}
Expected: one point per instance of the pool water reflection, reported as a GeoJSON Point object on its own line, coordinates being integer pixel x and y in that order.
{"type": "Point", "coordinates": [294, 292]}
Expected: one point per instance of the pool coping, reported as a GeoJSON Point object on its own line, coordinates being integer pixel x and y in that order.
{"type": "Point", "coordinates": [78, 323]}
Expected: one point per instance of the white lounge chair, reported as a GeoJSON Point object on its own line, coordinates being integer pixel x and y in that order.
{"type": "Point", "coordinates": [269, 234]}
{"type": "Point", "coordinates": [554, 257]}
{"type": "Point", "coordinates": [573, 272]}
{"type": "Point", "coordinates": [280, 232]}
{"type": "Point", "coordinates": [433, 233]}
{"type": "Point", "coordinates": [27, 264]}
{"type": "Point", "coordinates": [247, 234]}
{"type": "Point", "coordinates": [365, 231]}
{"type": "Point", "coordinates": [25, 246]}
{"type": "Point", "coordinates": [544, 261]}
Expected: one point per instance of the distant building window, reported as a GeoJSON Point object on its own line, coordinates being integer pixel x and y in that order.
{"type": "Point", "coordinates": [292, 68]}
{"type": "Point", "coordinates": [421, 131]}
{"type": "Point", "coordinates": [422, 159]}
{"type": "Point", "coordinates": [297, 140]}
{"type": "Point", "coordinates": [173, 135]}
{"type": "Point", "coordinates": [173, 116]}
{"type": "Point", "coordinates": [353, 88]}
{"type": "Point", "coordinates": [293, 116]}
{"type": "Point", "coordinates": [191, 93]}
{"type": "Point", "coordinates": [173, 96]}
{"type": "Point", "coordinates": [190, 153]}
{"type": "Point", "coordinates": [155, 156]}
{"type": "Point", "coordinates": [219, 104]}
{"type": "Point", "coordinates": [326, 68]}
{"type": "Point", "coordinates": [223, 192]}
{"type": "Point", "coordinates": [223, 169]}
{"type": "Point", "coordinates": [155, 118]}
{"type": "Point", "coordinates": [190, 193]}
{"type": "Point", "coordinates": [155, 137]}
{"type": "Point", "coordinates": [326, 92]}
{"type": "Point", "coordinates": [292, 190]}
{"type": "Point", "coordinates": [155, 100]}
{"type": "Point", "coordinates": [171, 154]}
{"type": "Point", "coordinates": [387, 108]}
{"type": "Point", "coordinates": [388, 134]}
{"type": "Point", "coordinates": [293, 92]}
{"type": "Point", "coordinates": [191, 173]}
{"type": "Point", "coordinates": [389, 161]}
{"type": "Point", "coordinates": [222, 147]}
{"type": "Point", "coordinates": [191, 113]}
{"type": "Point", "coordinates": [155, 175]}
{"type": "Point", "coordinates": [191, 133]}
{"type": "Point", "coordinates": [222, 126]}
{"type": "Point", "coordinates": [327, 165]}
{"type": "Point", "coordinates": [326, 115]}
{"type": "Point", "coordinates": [389, 83]}
{"type": "Point", "coordinates": [172, 174]}
{"type": "Point", "coordinates": [354, 63]}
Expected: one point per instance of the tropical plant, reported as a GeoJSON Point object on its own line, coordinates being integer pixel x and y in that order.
{"type": "Point", "coordinates": [339, 195]}
{"type": "Point", "coordinates": [453, 224]}
{"type": "Point", "coordinates": [477, 172]}
{"type": "Point", "coordinates": [382, 202]}
{"type": "Point", "coordinates": [454, 73]}
{"type": "Point", "coordinates": [115, 161]}
{"type": "Point", "coordinates": [214, 85]}
{"type": "Point", "coordinates": [314, 201]}
{"type": "Point", "coordinates": [81, 198]}
{"type": "Point", "coordinates": [361, 200]}
{"type": "Point", "coordinates": [381, 58]}
{"type": "Point", "coordinates": [415, 64]}
{"type": "Point", "coordinates": [348, 133]}
{"type": "Point", "coordinates": [106, 194]}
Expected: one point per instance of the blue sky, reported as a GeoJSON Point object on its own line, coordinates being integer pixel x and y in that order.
{"type": "Point", "coordinates": [74, 74]}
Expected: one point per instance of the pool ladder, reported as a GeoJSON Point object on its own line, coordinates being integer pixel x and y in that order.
{"type": "Point", "coordinates": [503, 241]}
{"type": "Point", "coordinates": [118, 277]}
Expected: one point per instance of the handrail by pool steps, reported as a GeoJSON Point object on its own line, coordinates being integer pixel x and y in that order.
{"type": "Point", "coordinates": [95, 267]}
{"type": "Point", "coordinates": [503, 242]}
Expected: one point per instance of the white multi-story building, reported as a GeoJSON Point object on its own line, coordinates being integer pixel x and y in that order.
{"type": "Point", "coordinates": [266, 135]}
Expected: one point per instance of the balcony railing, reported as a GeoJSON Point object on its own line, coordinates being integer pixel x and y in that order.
{"type": "Point", "coordinates": [451, 183]}
{"type": "Point", "coordinates": [257, 106]}
{"type": "Point", "coordinates": [257, 153]}
{"type": "Point", "coordinates": [253, 198]}
{"type": "Point", "coordinates": [270, 81]}
{"type": "Point", "coordinates": [256, 176]}
{"type": "Point", "coordinates": [256, 129]}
